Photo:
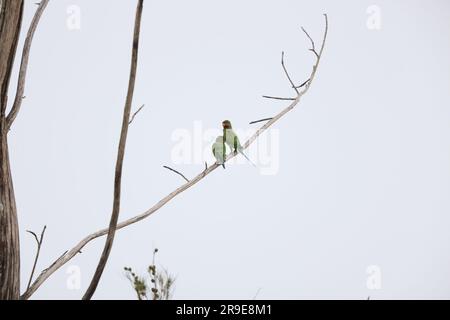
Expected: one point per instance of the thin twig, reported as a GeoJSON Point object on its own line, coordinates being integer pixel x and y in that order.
{"type": "Point", "coordinates": [24, 64]}
{"type": "Point", "coordinates": [206, 169]}
{"type": "Point", "coordinates": [120, 157]}
{"type": "Point", "coordinates": [74, 251]}
{"type": "Point", "coordinates": [287, 73]}
{"type": "Point", "coordinates": [303, 84]}
{"type": "Point", "coordinates": [135, 114]}
{"type": "Point", "coordinates": [279, 98]}
{"type": "Point", "coordinates": [179, 173]}
{"type": "Point", "coordinates": [262, 120]}
{"type": "Point", "coordinates": [313, 49]}
{"type": "Point", "coordinates": [38, 251]}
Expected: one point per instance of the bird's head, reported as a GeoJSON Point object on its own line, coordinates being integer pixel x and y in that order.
{"type": "Point", "coordinates": [226, 124]}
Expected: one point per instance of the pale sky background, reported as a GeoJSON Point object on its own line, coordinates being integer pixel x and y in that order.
{"type": "Point", "coordinates": [364, 161]}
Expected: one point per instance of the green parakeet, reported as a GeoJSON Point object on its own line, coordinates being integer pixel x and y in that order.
{"type": "Point", "coordinates": [232, 140]}
{"type": "Point", "coordinates": [219, 151]}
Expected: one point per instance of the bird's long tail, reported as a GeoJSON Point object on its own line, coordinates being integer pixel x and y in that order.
{"type": "Point", "coordinates": [242, 152]}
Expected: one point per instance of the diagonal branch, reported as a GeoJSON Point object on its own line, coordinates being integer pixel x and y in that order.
{"type": "Point", "coordinates": [24, 64]}
{"type": "Point", "coordinates": [177, 172]}
{"type": "Point", "coordinates": [120, 156]}
{"type": "Point", "coordinates": [39, 244]}
{"type": "Point", "coordinates": [75, 250]}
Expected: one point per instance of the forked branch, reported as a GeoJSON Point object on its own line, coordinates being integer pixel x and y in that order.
{"type": "Point", "coordinates": [313, 49]}
{"type": "Point", "coordinates": [38, 251]}
{"type": "Point", "coordinates": [75, 250]}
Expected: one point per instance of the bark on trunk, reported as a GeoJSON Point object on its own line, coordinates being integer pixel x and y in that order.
{"type": "Point", "coordinates": [10, 22]}
{"type": "Point", "coordinates": [9, 231]}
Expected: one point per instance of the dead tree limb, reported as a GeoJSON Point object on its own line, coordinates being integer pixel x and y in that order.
{"type": "Point", "coordinates": [120, 156]}
{"type": "Point", "coordinates": [75, 250]}
{"type": "Point", "coordinates": [38, 251]}
{"type": "Point", "coordinates": [24, 64]}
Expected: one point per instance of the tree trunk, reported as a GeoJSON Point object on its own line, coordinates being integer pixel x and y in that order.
{"type": "Point", "coordinates": [9, 231]}
{"type": "Point", "coordinates": [10, 22]}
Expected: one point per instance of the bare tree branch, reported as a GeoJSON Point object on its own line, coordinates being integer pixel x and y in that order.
{"type": "Point", "coordinates": [262, 120]}
{"type": "Point", "coordinates": [34, 235]}
{"type": "Point", "coordinates": [74, 251]}
{"type": "Point", "coordinates": [179, 173]}
{"type": "Point", "coordinates": [313, 49]}
{"type": "Point", "coordinates": [38, 251]}
{"type": "Point", "coordinates": [24, 64]}
{"type": "Point", "coordinates": [279, 98]}
{"type": "Point", "coordinates": [303, 84]}
{"type": "Point", "coordinates": [120, 156]}
{"type": "Point", "coordinates": [287, 73]}
{"type": "Point", "coordinates": [136, 113]}
{"type": "Point", "coordinates": [293, 104]}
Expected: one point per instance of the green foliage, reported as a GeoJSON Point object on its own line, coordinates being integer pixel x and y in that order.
{"type": "Point", "coordinates": [161, 284]}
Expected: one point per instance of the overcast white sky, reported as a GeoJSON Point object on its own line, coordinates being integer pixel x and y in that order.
{"type": "Point", "coordinates": [363, 173]}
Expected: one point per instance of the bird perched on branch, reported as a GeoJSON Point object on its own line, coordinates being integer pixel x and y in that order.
{"type": "Point", "coordinates": [219, 150]}
{"type": "Point", "coordinates": [232, 140]}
